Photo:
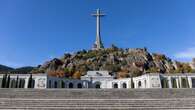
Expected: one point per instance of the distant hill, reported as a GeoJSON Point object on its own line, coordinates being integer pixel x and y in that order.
{"type": "Point", "coordinates": [121, 63]}
{"type": "Point", "coordinates": [21, 70]}
{"type": "Point", "coordinates": [5, 68]}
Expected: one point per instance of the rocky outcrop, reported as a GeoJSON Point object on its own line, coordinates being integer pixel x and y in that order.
{"type": "Point", "coordinates": [121, 62]}
{"type": "Point", "coordinates": [192, 64]}
{"type": "Point", "coordinates": [54, 64]}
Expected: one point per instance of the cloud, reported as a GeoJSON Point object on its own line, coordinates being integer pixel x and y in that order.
{"type": "Point", "coordinates": [186, 54]}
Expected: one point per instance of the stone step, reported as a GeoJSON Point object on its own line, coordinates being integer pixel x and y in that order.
{"type": "Point", "coordinates": [97, 108]}
{"type": "Point", "coordinates": [95, 103]}
{"type": "Point", "coordinates": [99, 93]}
{"type": "Point", "coordinates": [87, 99]}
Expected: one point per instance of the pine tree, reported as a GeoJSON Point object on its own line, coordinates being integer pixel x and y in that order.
{"type": "Point", "coordinates": [4, 81]}
{"type": "Point", "coordinates": [17, 82]}
{"type": "Point", "coordinates": [30, 82]}
{"type": "Point", "coordinates": [8, 81]}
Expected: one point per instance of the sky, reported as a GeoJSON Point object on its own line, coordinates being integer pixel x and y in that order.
{"type": "Point", "coordinates": [35, 31]}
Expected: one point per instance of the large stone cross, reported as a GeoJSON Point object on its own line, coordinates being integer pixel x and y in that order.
{"type": "Point", "coordinates": [98, 43]}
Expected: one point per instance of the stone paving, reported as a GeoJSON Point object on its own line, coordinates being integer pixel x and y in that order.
{"type": "Point", "coordinates": [97, 99]}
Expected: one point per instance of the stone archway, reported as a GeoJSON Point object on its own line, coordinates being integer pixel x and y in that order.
{"type": "Point", "coordinates": [62, 84]}
{"type": "Point", "coordinates": [70, 85]}
{"type": "Point", "coordinates": [139, 84]}
{"type": "Point", "coordinates": [184, 83]}
{"type": "Point", "coordinates": [50, 84]}
{"type": "Point", "coordinates": [193, 82]}
{"type": "Point", "coordinates": [79, 85]}
{"type": "Point", "coordinates": [97, 85]}
{"type": "Point", "coordinates": [124, 85]}
{"type": "Point", "coordinates": [164, 83]}
{"type": "Point", "coordinates": [174, 83]}
{"type": "Point", "coordinates": [55, 84]}
{"type": "Point", "coordinates": [115, 85]}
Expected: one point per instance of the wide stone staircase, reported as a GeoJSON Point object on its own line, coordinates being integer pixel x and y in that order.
{"type": "Point", "coordinates": [87, 99]}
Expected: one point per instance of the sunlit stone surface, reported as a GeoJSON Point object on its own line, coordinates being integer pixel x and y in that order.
{"type": "Point", "coordinates": [98, 79]}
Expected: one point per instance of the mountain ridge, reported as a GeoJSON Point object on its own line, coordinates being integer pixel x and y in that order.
{"type": "Point", "coordinates": [5, 68]}
{"type": "Point", "coordinates": [21, 70]}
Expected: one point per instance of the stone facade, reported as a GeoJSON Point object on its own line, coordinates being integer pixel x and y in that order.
{"type": "Point", "coordinates": [23, 81]}
{"type": "Point", "coordinates": [54, 82]}
{"type": "Point", "coordinates": [99, 79]}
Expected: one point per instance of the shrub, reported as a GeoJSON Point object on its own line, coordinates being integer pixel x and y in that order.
{"type": "Point", "coordinates": [153, 70]}
{"type": "Point", "coordinates": [136, 72]}
{"type": "Point", "coordinates": [76, 75]}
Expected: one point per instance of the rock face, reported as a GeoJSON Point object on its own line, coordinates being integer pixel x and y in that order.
{"type": "Point", "coordinates": [121, 62]}
{"type": "Point", "coordinates": [52, 65]}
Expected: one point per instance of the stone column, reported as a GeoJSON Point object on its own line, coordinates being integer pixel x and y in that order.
{"type": "Point", "coordinates": [177, 81]}
{"type": "Point", "coordinates": [145, 82]}
{"type": "Point", "coordinates": [26, 82]}
{"type": "Point", "coordinates": [170, 83]}
{"type": "Point", "coordinates": [180, 82]}
{"type": "Point", "coordinates": [135, 84]}
{"type": "Point", "coordinates": [85, 84]}
{"type": "Point", "coordinates": [10, 83]}
{"type": "Point", "coordinates": [128, 83]}
{"type": "Point", "coordinates": [190, 81]}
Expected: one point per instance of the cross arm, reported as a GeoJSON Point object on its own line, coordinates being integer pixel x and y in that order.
{"type": "Point", "coordinates": [98, 14]}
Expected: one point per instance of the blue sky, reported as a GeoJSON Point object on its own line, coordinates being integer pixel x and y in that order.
{"type": "Point", "coordinates": [34, 31]}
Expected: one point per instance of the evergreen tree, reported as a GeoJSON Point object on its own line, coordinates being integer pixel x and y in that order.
{"type": "Point", "coordinates": [8, 81]}
{"type": "Point", "coordinates": [17, 82]}
{"type": "Point", "coordinates": [132, 83]}
{"type": "Point", "coordinates": [30, 81]}
{"type": "Point", "coordinates": [4, 81]}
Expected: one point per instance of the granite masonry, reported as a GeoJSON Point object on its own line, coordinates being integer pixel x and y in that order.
{"type": "Point", "coordinates": [98, 79]}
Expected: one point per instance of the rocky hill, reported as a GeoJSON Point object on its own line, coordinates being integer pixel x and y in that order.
{"type": "Point", "coordinates": [120, 62]}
